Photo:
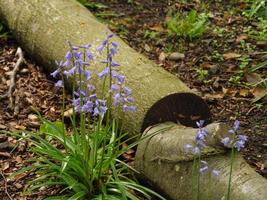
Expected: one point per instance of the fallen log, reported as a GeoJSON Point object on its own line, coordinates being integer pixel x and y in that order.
{"type": "Point", "coordinates": [163, 161]}
{"type": "Point", "coordinates": [43, 29]}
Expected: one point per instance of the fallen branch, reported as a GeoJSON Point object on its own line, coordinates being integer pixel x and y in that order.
{"type": "Point", "coordinates": [8, 94]}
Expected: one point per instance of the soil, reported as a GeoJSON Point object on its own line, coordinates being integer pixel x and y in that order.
{"type": "Point", "coordinates": [218, 54]}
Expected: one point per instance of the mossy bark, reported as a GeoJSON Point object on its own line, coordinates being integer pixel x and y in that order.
{"type": "Point", "coordinates": [43, 28]}
{"type": "Point", "coordinates": [162, 160]}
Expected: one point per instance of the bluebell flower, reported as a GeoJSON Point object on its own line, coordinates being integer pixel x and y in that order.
{"type": "Point", "coordinates": [88, 107]}
{"type": "Point", "coordinates": [127, 91]}
{"type": "Point", "coordinates": [114, 49]}
{"type": "Point", "coordinates": [114, 74]}
{"type": "Point", "coordinates": [235, 127]}
{"type": "Point", "coordinates": [103, 73]}
{"type": "Point", "coordinates": [196, 150]}
{"type": "Point", "coordinates": [202, 133]}
{"type": "Point", "coordinates": [100, 107]}
{"type": "Point", "coordinates": [68, 55]}
{"type": "Point", "coordinates": [87, 46]}
{"type": "Point", "coordinates": [87, 74]}
{"type": "Point", "coordinates": [115, 44]}
{"type": "Point", "coordinates": [188, 148]}
{"type": "Point", "coordinates": [126, 108]}
{"type": "Point", "coordinates": [242, 137]}
{"type": "Point", "coordinates": [102, 45]}
{"type": "Point", "coordinates": [237, 141]}
{"type": "Point", "coordinates": [69, 73]}
{"type": "Point", "coordinates": [128, 99]}
{"type": "Point", "coordinates": [115, 88]}
{"type": "Point", "coordinates": [77, 104]}
{"type": "Point", "coordinates": [120, 79]}
{"type": "Point", "coordinates": [226, 141]}
{"type": "Point", "coordinates": [200, 123]}
{"type": "Point", "coordinates": [241, 142]}
{"type": "Point", "coordinates": [204, 168]}
{"type": "Point", "coordinates": [74, 48]}
{"type": "Point", "coordinates": [117, 99]}
{"type": "Point", "coordinates": [55, 73]}
{"type": "Point", "coordinates": [90, 55]}
{"type": "Point", "coordinates": [114, 64]}
{"type": "Point", "coordinates": [216, 172]}
{"type": "Point", "coordinates": [92, 96]}
{"type": "Point", "coordinates": [90, 88]}
{"type": "Point", "coordinates": [59, 83]}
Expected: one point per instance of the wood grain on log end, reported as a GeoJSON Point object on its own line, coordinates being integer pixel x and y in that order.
{"type": "Point", "coordinates": [181, 108]}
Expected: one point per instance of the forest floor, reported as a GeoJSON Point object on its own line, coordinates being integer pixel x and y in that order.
{"type": "Point", "coordinates": [218, 65]}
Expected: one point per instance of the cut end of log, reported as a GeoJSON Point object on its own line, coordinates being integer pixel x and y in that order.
{"type": "Point", "coordinates": [181, 108]}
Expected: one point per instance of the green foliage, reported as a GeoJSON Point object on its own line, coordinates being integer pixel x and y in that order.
{"type": "Point", "coordinates": [191, 26]}
{"type": "Point", "coordinates": [85, 165]}
{"type": "Point", "coordinates": [202, 74]}
{"type": "Point", "coordinates": [257, 8]}
{"type": "Point", "coordinates": [153, 35]}
{"type": "Point", "coordinates": [244, 62]}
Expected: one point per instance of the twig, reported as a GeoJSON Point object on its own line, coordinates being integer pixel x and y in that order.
{"type": "Point", "coordinates": [19, 53]}
{"type": "Point", "coordinates": [5, 181]}
{"type": "Point", "coordinates": [5, 154]}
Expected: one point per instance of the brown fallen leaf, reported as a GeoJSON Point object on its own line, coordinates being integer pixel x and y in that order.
{"type": "Point", "coordinates": [157, 27]}
{"type": "Point", "coordinates": [244, 93]}
{"type": "Point", "coordinates": [18, 159]}
{"type": "Point", "coordinates": [68, 113]}
{"type": "Point", "coordinates": [20, 127]}
{"type": "Point", "coordinates": [229, 91]}
{"type": "Point", "coordinates": [259, 93]}
{"type": "Point", "coordinates": [231, 55]}
{"type": "Point", "coordinates": [207, 65]}
{"type": "Point", "coordinates": [5, 166]}
{"type": "Point", "coordinates": [214, 96]}
{"type": "Point", "coordinates": [241, 37]}
{"type": "Point", "coordinates": [253, 78]}
{"type": "Point", "coordinates": [231, 67]}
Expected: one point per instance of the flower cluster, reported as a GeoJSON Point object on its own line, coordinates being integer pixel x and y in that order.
{"type": "Point", "coordinates": [201, 135]}
{"type": "Point", "coordinates": [75, 65]}
{"type": "Point", "coordinates": [121, 93]}
{"type": "Point", "coordinates": [237, 141]}
{"type": "Point", "coordinates": [200, 139]}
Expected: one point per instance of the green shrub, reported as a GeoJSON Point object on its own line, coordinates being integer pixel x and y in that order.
{"type": "Point", "coordinates": [188, 26]}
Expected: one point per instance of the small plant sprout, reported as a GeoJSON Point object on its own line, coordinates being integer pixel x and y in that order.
{"type": "Point", "coordinates": [202, 74]}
